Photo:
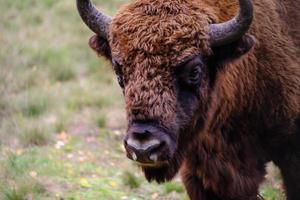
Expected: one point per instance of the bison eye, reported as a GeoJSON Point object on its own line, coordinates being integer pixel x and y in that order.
{"type": "Point", "coordinates": [118, 70]}
{"type": "Point", "coordinates": [121, 81]}
{"type": "Point", "coordinates": [194, 76]}
{"type": "Point", "coordinates": [190, 73]}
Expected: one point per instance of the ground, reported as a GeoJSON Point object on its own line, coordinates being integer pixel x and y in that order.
{"type": "Point", "coordinates": [61, 113]}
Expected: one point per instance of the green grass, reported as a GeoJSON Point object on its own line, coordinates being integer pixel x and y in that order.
{"type": "Point", "coordinates": [173, 187]}
{"type": "Point", "coordinates": [62, 113]}
{"type": "Point", "coordinates": [24, 189]}
{"type": "Point", "coordinates": [16, 182]}
{"type": "Point", "coordinates": [270, 193]}
{"type": "Point", "coordinates": [131, 180]}
{"type": "Point", "coordinates": [101, 121]}
{"type": "Point", "coordinates": [34, 136]}
{"type": "Point", "coordinates": [33, 105]}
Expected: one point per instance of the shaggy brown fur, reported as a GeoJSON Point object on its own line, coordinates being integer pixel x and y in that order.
{"type": "Point", "coordinates": [248, 112]}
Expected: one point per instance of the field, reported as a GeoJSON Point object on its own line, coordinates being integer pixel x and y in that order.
{"type": "Point", "coordinates": [61, 113]}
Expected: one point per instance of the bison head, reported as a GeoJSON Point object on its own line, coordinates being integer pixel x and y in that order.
{"type": "Point", "coordinates": [166, 55]}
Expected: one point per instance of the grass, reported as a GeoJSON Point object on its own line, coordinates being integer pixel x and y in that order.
{"type": "Point", "coordinates": [25, 188]}
{"type": "Point", "coordinates": [16, 183]}
{"type": "Point", "coordinates": [33, 105]}
{"type": "Point", "coordinates": [34, 136]}
{"type": "Point", "coordinates": [173, 187]}
{"type": "Point", "coordinates": [131, 180]}
{"type": "Point", "coordinates": [270, 193]}
{"type": "Point", "coordinates": [62, 114]}
{"type": "Point", "coordinates": [101, 121]}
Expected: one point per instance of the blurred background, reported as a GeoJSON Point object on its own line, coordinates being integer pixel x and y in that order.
{"type": "Point", "coordinates": [61, 112]}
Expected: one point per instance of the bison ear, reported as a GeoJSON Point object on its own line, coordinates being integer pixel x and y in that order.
{"type": "Point", "coordinates": [100, 46]}
{"type": "Point", "coordinates": [233, 51]}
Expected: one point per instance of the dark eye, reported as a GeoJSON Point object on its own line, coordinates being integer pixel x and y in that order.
{"type": "Point", "coordinates": [121, 81]}
{"type": "Point", "coordinates": [194, 76]}
{"type": "Point", "coordinates": [190, 73]}
{"type": "Point", "coordinates": [118, 70]}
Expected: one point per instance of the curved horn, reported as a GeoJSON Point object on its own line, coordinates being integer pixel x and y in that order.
{"type": "Point", "coordinates": [94, 19]}
{"type": "Point", "coordinates": [233, 29]}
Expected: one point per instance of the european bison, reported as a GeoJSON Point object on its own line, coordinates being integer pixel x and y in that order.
{"type": "Point", "coordinates": [212, 88]}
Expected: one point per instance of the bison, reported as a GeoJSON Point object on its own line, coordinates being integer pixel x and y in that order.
{"type": "Point", "coordinates": [211, 88]}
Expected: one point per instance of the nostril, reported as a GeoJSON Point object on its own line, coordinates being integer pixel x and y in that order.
{"type": "Point", "coordinates": [157, 147]}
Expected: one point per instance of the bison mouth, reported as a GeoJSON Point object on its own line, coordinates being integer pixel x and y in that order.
{"type": "Point", "coordinates": [149, 145]}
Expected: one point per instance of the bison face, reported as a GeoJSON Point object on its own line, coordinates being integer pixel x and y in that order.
{"type": "Point", "coordinates": [166, 98]}
{"type": "Point", "coordinates": [166, 55]}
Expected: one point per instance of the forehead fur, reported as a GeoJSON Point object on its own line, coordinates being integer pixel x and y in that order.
{"type": "Point", "coordinates": [167, 30]}
{"type": "Point", "coordinates": [148, 38]}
